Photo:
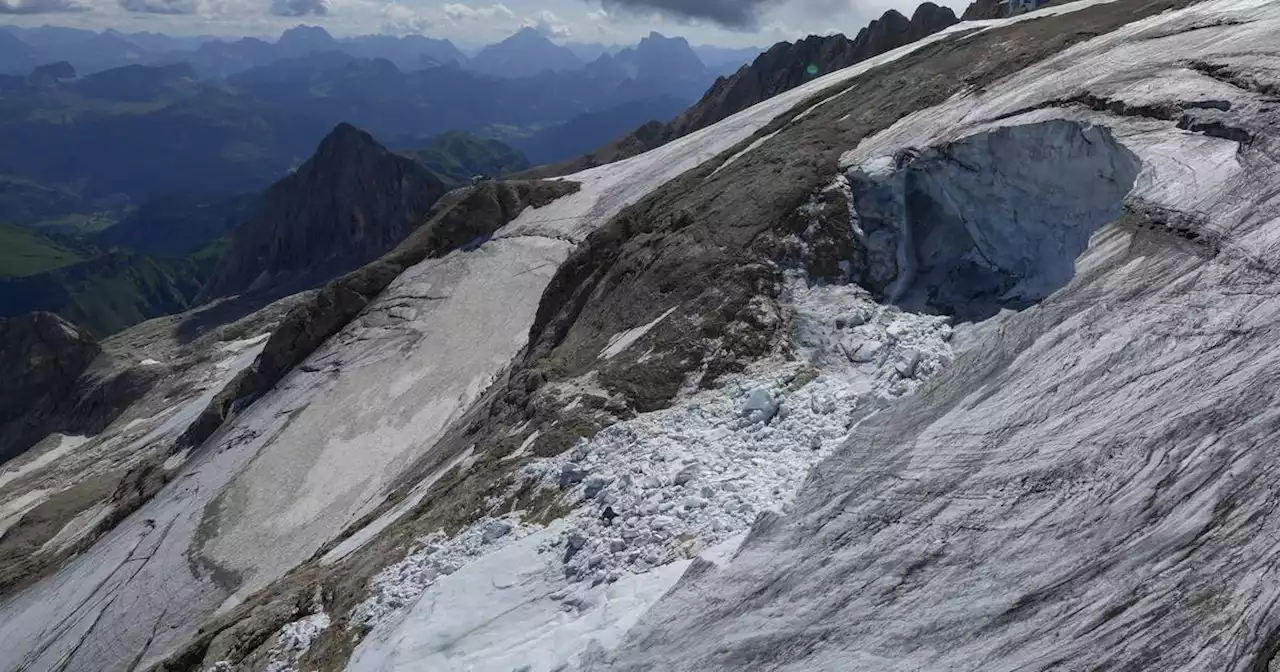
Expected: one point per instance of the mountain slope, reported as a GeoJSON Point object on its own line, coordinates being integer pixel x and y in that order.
{"type": "Point", "coordinates": [411, 52]}
{"type": "Point", "coordinates": [662, 66]}
{"type": "Point", "coordinates": [42, 357]}
{"type": "Point", "coordinates": [142, 131]}
{"type": "Point", "coordinates": [109, 292]}
{"type": "Point", "coordinates": [456, 157]}
{"type": "Point", "coordinates": [347, 204]}
{"type": "Point", "coordinates": [178, 224]}
{"type": "Point", "coordinates": [304, 40]}
{"type": "Point", "coordinates": [585, 132]}
{"type": "Point", "coordinates": [26, 252]}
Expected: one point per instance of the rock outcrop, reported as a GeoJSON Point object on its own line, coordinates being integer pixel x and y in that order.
{"type": "Point", "coordinates": [981, 9]}
{"type": "Point", "coordinates": [42, 356]}
{"type": "Point", "coordinates": [349, 203]}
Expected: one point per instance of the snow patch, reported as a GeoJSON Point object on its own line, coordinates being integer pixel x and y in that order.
{"type": "Point", "coordinates": [625, 339]}
{"type": "Point", "coordinates": [76, 528]}
{"type": "Point", "coordinates": [13, 510]}
{"type": "Point", "coordinates": [241, 344]}
{"type": "Point", "coordinates": [528, 441]}
{"type": "Point", "coordinates": [66, 444]}
{"type": "Point", "coordinates": [293, 640]}
{"type": "Point", "coordinates": [368, 532]}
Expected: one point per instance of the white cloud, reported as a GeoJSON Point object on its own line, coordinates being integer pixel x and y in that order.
{"type": "Point", "coordinates": [300, 7]}
{"type": "Point", "coordinates": [399, 19]}
{"type": "Point", "coordinates": [547, 23]}
{"type": "Point", "coordinates": [460, 13]}
{"type": "Point", "coordinates": [175, 7]}
{"type": "Point", "coordinates": [41, 6]}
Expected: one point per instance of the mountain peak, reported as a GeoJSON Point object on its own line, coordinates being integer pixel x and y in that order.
{"type": "Point", "coordinates": [528, 33]}
{"type": "Point", "coordinates": [302, 39]}
{"type": "Point", "coordinates": [350, 202]}
{"type": "Point", "coordinates": [344, 137]}
{"type": "Point", "coordinates": [658, 53]}
{"type": "Point", "coordinates": [303, 29]}
{"type": "Point", "coordinates": [526, 53]}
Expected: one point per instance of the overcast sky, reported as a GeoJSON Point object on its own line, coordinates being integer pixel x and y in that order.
{"type": "Point", "coordinates": [472, 22]}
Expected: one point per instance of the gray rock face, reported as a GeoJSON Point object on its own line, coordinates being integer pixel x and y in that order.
{"type": "Point", "coordinates": [349, 203]}
{"type": "Point", "coordinates": [42, 355]}
{"type": "Point", "coordinates": [981, 9]}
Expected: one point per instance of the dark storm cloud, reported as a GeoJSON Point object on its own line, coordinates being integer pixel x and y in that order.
{"type": "Point", "coordinates": [160, 6]}
{"type": "Point", "coordinates": [40, 6]}
{"type": "Point", "coordinates": [300, 7]}
{"type": "Point", "coordinates": [740, 14]}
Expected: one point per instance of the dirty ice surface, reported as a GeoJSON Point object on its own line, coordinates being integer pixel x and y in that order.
{"type": "Point", "coordinates": [503, 595]}
{"type": "Point", "coordinates": [1091, 484]}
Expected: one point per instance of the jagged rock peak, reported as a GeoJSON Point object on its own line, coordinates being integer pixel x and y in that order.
{"type": "Point", "coordinates": [350, 202]}
{"type": "Point", "coordinates": [346, 138]}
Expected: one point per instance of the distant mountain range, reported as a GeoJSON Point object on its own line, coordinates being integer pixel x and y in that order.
{"type": "Point", "coordinates": [79, 149]}
{"type": "Point", "coordinates": [525, 53]}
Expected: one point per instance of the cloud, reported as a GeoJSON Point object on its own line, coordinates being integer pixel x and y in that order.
{"type": "Point", "coordinates": [736, 14]}
{"type": "Point", "coordinates": [401, 19]}
{"type": "Point", "coordinates": [459, 13]}
{"type": "Point", "coordinates": [548, 24]}
{"type": "Point", "coordinates": [300, 7]}
{"type": "Point", "coordinates": [160, 6]}
{"type": "Point", "coordinates": [41, 6]}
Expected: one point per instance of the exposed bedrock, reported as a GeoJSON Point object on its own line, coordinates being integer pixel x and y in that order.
{"type": "Point", "coordinates": [994, 220]}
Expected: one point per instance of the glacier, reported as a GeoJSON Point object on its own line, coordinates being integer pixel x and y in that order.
{"type": "Point", "coordinates": [1034, 437]}
{"type": "Point", "coordinates": [1088, 485]}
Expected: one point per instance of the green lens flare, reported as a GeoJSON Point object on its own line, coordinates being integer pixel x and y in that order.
{"type": "Point", "coordinates": [812, 69]}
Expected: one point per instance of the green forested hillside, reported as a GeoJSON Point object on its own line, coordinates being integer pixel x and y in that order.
{"type": "Point", "coordinates": [109, 292]}
{"type": "Point", "coordinates": [457, 156]}
{"type": "Point", "coordinates": [25, 252]}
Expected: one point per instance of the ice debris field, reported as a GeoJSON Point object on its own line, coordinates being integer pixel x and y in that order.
{"type": "Point", "coordinates": [683, 482]}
